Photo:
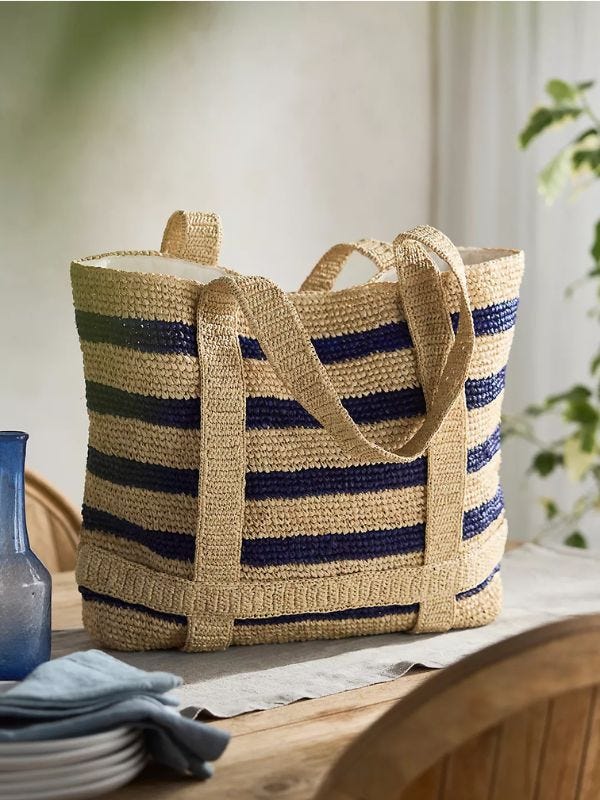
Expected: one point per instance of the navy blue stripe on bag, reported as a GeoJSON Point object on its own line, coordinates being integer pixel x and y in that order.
{"type": "Point", "coordinates": [148, 335]}
{"type": "Point", "coordinates": [170, 413]}
{"type": "Point", "coordinates": [158, 336]}
{"type": "Point", "coordinates": [491, 320]}
{"type": "Point", "coordinates": [476, 520]}
{"type": "Point", "coordinates": [299, 549]}
{"type": "Point", "coordinates": [310, 481]}
{"type": "Point", "coordinates": [107, 600]}
{"type": "Point", "coordinates": [481, 454]}
{"type": "Point", "coordinates": [262, 485]}
{"type": "Point", "coordinates": [273, 412]}
{"type": "Point", "coordinates": [303, 549]}
{"type": "Point", "coordinates": [127, 472]}
{"type": "Point", "coordinates": [331, 349]}
{"type": "Point", "coordinates": [480, 586]}
{"type": "Point", "coordinates": [314, 481]}
{"type": "Point", "coordinates": [273, 551]}
{"type": "Point", "coordinates": [371, 612]}
{"type": "Point", "coordinates": [175, 546]}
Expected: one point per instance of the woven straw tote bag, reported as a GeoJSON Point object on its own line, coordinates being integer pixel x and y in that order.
{"type": "Point", "coordinates": [270, 467]}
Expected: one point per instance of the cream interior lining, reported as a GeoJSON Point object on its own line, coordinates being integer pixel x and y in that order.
{"type": "Point", "coordinates": [157, 264]}
{"type": "Point", "coordinates": [201, 273]}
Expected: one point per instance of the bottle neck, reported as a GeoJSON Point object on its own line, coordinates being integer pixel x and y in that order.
{"type": "Point", "coordinates": [13, 531]}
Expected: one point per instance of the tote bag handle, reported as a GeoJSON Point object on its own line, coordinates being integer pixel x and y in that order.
{"type": "Point", "coordinates": [284, 340]}
{"type": "Point", "coordinates": [329, 266]}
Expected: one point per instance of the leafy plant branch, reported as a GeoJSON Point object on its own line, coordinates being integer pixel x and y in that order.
{"type": "Point", "coordinates": [577, 450]}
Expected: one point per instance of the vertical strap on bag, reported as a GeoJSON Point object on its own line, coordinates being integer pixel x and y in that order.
{"type": "Point", "coordinates": [222, 479]}
{"type": "Point", "coordinates": [193, 236]}
{"type": "Point", "coordinates": [447, 452]}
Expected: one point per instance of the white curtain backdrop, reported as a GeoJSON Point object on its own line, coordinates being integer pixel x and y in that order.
{"type": "Point", "coordinates": [493, 60]}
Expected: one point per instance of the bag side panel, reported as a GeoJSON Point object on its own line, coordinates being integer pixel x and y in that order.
{"type": "Point", "coordinates": [138, 354]}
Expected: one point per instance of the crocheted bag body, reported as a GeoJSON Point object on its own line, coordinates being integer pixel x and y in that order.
{"type": "Point", "coordinates": [266, 467]}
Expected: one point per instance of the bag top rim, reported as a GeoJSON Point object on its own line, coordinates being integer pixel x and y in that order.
{"type": "Point", "coordinates": [497, 258]}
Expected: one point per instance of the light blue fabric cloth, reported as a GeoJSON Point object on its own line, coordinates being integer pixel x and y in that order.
{"type": "Point", "coordinates": [90, 692]}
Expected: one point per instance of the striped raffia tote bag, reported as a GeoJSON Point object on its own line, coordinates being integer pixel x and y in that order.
{"type": "Point", "coordinates": [270, 467]}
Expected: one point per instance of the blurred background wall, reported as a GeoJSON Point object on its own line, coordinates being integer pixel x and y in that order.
{"type": "Point", "coordinates": [302, 124]}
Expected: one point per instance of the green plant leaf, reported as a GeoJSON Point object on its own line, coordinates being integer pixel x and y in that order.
{"type": "Point", "coordinates": [543, 118]}
{"type": "Point", "coordinates": [561, 91]}
{"type": "Point", "coordinates": [595, 249]}
{"type": "Point", "coordinates": [577, 461]}
{"type": "Point", "coordinates": [544, 462]}
{"type": "Point", "coordinates": [575, 394]}
{"type": "Point", "coordinates": [586, 135]}
{"type": "Point", "coordinates": [582, 411]}
{"type": "Point", "coordinates": [549, 506]}
{"type": "Point", "coordinates": [586, 159]}
{"type": "Point", "coordinates": [595, 364]}
{"type": "Point", "coordinates": [587, 435]}
{"type": "Point", "coordinates": [537, 410]}
{"type": "Point", "coordinates": [555, 174]}
{"type": "Point", "coordinates": [576, 539]}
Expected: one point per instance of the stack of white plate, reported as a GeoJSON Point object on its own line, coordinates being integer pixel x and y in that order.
{"type": "Point", "coordinates": [70, 769]}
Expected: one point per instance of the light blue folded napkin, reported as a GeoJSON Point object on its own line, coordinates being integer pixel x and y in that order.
{"type": "Point", "coordinates": [81, 682]}
{"type": "Point", "coordinates": [90, 692]}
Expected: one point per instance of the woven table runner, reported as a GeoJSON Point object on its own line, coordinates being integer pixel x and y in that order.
{"type": "Point", "coordinates": [542, 583]}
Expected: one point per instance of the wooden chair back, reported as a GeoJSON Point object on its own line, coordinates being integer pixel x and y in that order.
{"type": "Point", "coordinates": [53, 524]}
{"type": "Point", "coordinates": [517, 721]}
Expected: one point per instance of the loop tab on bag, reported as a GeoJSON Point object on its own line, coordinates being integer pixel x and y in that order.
{"type": "Point", "coordinates": [193, 236]}
{"type": "Point", "coordinates": [330, 265]}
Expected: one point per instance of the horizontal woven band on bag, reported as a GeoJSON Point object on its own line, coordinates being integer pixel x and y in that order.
{"type": "Point", "coordinates": [109, 574]}
{"type": "Point", "coordinates": [133, 627]}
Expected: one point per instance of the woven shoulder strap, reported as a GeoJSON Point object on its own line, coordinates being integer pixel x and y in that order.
{"type": "Point", "coordinates": [329, 266]}
{"type": "Point", "coordinates": [289, 349]}
{"type": "Point", "coordinates": [447, 451]}
{"type": "Point", "coordinates": [287, 345]}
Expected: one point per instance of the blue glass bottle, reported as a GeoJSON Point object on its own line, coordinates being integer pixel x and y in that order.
{"type": "Point", "coordinates": [25, 584]}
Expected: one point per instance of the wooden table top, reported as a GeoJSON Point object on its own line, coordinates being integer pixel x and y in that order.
{"type": "Point", "coordinates": [281, 753]}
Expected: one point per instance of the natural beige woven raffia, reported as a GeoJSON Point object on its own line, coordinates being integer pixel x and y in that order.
{"type": "Point", "coordinates": [267, 467]}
